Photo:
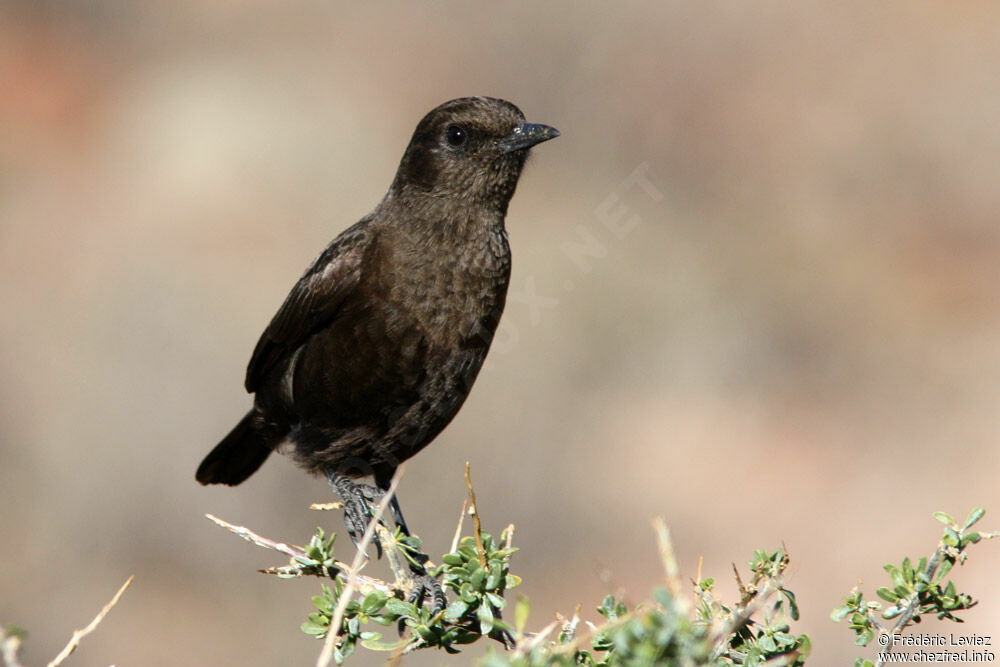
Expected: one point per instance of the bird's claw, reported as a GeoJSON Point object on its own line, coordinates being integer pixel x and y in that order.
{"type": "Point", "coordinates": [357, 500]}
{"type": "Point", "coordinates": [426, 586]}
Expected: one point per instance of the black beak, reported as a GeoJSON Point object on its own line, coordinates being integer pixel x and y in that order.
{"type": "Point", "coordinates": [527, 135]}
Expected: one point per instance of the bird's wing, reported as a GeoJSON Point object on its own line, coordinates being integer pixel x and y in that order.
{"type": "Point", "coordinates": [312, 304]}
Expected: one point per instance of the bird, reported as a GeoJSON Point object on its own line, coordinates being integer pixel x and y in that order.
{"type": "Point", "coordinates": [376, 347]}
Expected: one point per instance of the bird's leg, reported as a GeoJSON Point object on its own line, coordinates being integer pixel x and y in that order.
{"type": "Point", "coordinates": [383, 481]}
{"type": "Point", "coordinates": [424, 585]}
{"type": "Point", "coordinates": [357, 500]}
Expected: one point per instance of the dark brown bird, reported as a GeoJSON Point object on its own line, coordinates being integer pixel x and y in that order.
{"type": "Point", "coordinates": [377, 346]}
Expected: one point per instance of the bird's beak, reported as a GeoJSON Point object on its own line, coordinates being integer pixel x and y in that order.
{"type": "Point", "coordinates": [527, 135]}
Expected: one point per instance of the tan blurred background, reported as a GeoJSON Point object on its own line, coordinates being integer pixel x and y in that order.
{"type": "Point", "coordinates": [798, 340]}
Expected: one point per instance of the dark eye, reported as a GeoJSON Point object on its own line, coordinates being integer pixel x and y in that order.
{"type": "Point", "coordinates": [455, 135]}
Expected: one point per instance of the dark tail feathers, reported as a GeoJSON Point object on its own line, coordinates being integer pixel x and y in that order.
{"type": "Point", "coordinates": [238, 455]}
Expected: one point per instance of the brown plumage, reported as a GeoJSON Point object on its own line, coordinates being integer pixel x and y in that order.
{"type": "Point", "coordinates": [377, 346]}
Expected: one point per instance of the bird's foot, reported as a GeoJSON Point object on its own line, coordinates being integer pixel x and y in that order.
{"type": "Point", "coordinates": [357, 500]}
{"type": "Point", "coordinates": [427, 587]}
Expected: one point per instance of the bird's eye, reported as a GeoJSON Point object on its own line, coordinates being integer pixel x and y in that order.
{"type": "Point", "coordinates": [455, 135]}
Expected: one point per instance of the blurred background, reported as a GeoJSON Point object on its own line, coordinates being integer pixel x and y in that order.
{"type": "Point", "coordinates": [755, 291]}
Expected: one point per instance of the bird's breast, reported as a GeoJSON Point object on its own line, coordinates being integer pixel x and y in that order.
{"type": "Point", "coordinates": [452, 297]}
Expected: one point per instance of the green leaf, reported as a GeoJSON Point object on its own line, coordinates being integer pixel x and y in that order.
{"type": "Point", "coordinates": [478, 579]}
{"type": "Point", "coordinates": [840, 613]}
{"type": "Point", "coordinates": [375, 643]}
{"type": "Point", "coordinates": [521, 611]}
{"type": "Point", "coordinates": [793, 606]}
{"type": "Point", "coordinates": [971, 538]}
{"type": "Point", "coordinates": [316, 629]}
{"type": "Point", "coordinates": [974, 516]}
{"type": "Point", "coordinates": [425, 633]}
{"type": "Point", "coordinates": [373, 603]}
{"type": "Point", "coordinates": [398, 607]}
{"type": "Point", "coordinates": [485, 619]}
{"type": "Point", "coordinates": [495, 600]}
{"type": "Point", "coordinates": [894, 574]}
{"type": "Point", "coordinates": [493, 579]}
{"type": "Point", "coordinates": [945, 518]}
{"type": "Point", "coordinates": [887, 594]}
{"type": "Point", "coordinates": [467, 593]}
{"type": "Point", "coordinates": [892, 612]}
{"type": "Point", "coordinates": [452, 559]}
{"type": "Point", "coordinates": [456, 610]}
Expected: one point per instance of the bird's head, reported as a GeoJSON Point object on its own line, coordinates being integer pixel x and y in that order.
{"type": "Point", "coordinates": [470, 149]}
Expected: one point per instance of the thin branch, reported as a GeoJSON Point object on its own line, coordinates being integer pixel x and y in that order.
{"type": "Point", "coordinates": [294, 552]}
{"type": "Point", "coordinates": [510, 536]}
{"type": "Point", "coordinates": [10, 644]}
{"type": "Point", "coordinates": [667, 557]}
{"type": "Point", "coordinates": [480, 549]}
{"type": "Point", "coordinates": [304, 565]}
{"type": "Point", "coordinates": [326, 507]}
{"type": "Point", "coordinates": [332, 634]}
{"type": "Point", "coordinates": [80, 634]}
{"type": "Point", "coordinates": [458, 528]}
{"type": "Point", "coordinates": [752, 599]}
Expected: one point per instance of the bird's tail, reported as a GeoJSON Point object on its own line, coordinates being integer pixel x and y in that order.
{"type": "Point", "coordinates": [239, 454]}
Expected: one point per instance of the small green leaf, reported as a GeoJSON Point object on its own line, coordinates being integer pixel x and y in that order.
{"type": "Point", "coordinates": [892, 612]}
{"type": "Point", "coordinates": [398, 607]}
{"type": "Point", "coordinates": [793, 606]}
{"type": "Point", "coordinates": [456, 610]}
{"type": "Point", "coordinates": [425, 633]}
{"type": "Point", "coordinates": [887, 594]}
{"type": "Point", "coordinates": [945, 518]}
{"type": "Point", "coordinates": [316, 629]}
{"type": "Point", "coordinates": [373, 602]}
{"type": "Point", "coordinates": [452, 559]}
{"type": "Point", "coordinates": [495, 600]}
{"type": "Point", "coordinates": [485, 619]}
{"type": "Point", "coordinates": [974, 516]}
{"type": "Point", "coordinates": [521, 611]}
{"type": "Point", "coordinates": [374, 643]}
{"type": "Point", "coordinates": [493, 579]}
{"type": "Point", "coordinates": [467, 593]}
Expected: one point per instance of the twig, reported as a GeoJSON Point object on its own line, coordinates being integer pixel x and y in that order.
{"type": "Point", "coordinates": [80, 634]}
{"type": "Point", "coordinates": [526, 647]}
{"type": "Point", "coordinates": [296, 553]}
{"type": "Point", "coordinates": [326, 655]}
{"type": "Point", "coordinates": [480, 549]}
{"type": "Point", "coordinates": [749, 603]}
{"type": "Point", "coordinates": [326, 507]}
{"type": "Point", "coordinates": [667, 557]}
{"type": "Point", "coordinates": [510, 536]}
{"type": "Point", "coordinates": [458, 528]}
{"type": "Point", "coordinates": [570, 647]}
{"type": "Point", "coordinates": [10, 644]}
{"type": "Point", "coordinates": [304, 564]}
